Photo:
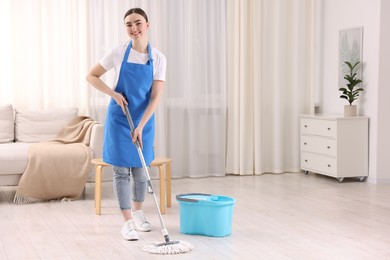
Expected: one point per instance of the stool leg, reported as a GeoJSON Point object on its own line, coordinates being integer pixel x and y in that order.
{"type": "Point", "coordinates": [96, 174]}
{"type": "Point", "coordinates": [98, 189]}
{"type": "Point", "coordinates": [162, 188]}
{"type": "Point", "coordinates": [168, 184]}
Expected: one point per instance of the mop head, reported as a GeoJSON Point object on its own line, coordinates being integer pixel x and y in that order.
{"type": "Point", "coordinates": [168, 248]}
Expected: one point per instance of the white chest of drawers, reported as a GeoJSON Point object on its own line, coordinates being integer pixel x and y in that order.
{"type": "Point", "coordinates": [334, 146]}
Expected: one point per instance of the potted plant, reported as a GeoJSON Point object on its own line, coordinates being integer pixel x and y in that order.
{"type": "Point", "coordinates": [351, 91]}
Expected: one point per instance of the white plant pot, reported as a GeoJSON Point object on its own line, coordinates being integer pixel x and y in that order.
{"type": "Point", "coordinates": [350, 110]}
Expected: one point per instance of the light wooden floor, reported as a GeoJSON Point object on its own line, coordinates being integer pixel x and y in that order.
{"type": "Point", "coordinates": [288, 216]}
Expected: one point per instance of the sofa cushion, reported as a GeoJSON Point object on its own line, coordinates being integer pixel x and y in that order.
{"type": "Point", "coordinates": [41, 125]}
{"type": "Point", "coordinates": [6, 124]}
{"type": "Point", "coordinates": [13, 158]}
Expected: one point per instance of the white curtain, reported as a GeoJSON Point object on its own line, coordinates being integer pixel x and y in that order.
{"type": "Point", "coordinates": [196, 87]}
{"type": "Point", "coordinates": [270, 46]}
{"type": "Point", "coordinates": [42, 54]}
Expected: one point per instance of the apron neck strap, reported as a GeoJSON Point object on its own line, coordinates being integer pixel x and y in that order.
{"type": "Point", "coordinates": [126, 58]}
{"type": "Point", "coordinates": [150, 52]}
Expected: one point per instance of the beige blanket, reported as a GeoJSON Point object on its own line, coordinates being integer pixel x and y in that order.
{"type": "Point", "coordinates": [59, 168]}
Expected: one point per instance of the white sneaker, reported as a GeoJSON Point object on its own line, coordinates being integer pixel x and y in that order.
{"type": "Point", "coordinates": [141, 224]}
{"type": "Point", "coordinates": [128, 231]}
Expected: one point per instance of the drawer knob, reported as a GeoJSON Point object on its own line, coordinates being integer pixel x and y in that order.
{"type": "Point", "coordinates": [306, 160]}
{"type": "Point", "coordinates": [328, 147]}
{"type": "Point", "coordinates": [329, 165]}
{"type": "Point", "coordinates": [305, 126]}
{"type": "Point", "coordinates": [305, 143]}
{"type": "Point", "coordinates": [329, 128]}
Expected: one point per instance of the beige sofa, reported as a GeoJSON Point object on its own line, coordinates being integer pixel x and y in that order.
{"type": "Point", "coordinates": [19, 129]}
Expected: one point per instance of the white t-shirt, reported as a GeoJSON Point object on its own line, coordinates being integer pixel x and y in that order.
{"type": "Point", "coordinates": [114, 57]}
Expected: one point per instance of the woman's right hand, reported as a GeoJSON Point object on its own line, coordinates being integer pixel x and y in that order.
{"type": "Point", "coordinates": [120, 100]}
{"type": "Point", "coordinates": [93, 77]}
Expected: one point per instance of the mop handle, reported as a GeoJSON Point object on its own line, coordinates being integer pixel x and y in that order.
{"type": "Point", "coordinates": [131, 124]}
{"type": "Point", "coordinates": [141, 156]}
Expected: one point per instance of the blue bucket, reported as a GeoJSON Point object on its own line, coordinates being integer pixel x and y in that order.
{"type": "Point", "coordinates": [205, 214]}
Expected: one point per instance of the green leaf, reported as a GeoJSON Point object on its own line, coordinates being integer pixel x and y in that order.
{"type": "Point", "coordinates": [349, 92]}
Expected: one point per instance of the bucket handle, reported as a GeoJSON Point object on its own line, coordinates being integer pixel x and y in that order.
{"type": "Point", "coordinates": [180, 196]}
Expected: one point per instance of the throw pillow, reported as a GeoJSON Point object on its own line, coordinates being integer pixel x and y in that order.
{"type": "Point", "coordinates": [6, 124]}
{"type": "Point", "coordinates": [41, 125]}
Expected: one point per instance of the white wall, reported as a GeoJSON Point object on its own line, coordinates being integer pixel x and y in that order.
{"type": "Point", "coordinates": [343, 14]}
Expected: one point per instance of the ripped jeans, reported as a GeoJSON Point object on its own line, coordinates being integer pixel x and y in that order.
{"type": "Point", "coordinates": [129, 184]}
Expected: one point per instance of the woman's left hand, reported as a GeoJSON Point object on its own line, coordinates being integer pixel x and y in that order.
{"type": "Point", "coordinates": [137, 135]}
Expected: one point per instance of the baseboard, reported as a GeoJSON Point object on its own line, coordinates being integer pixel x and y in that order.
{"type": "Point", "coordinates": [379, 180]}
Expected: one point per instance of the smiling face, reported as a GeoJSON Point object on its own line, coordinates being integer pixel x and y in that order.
{"type": "Point", "coordinates": [136, 26]}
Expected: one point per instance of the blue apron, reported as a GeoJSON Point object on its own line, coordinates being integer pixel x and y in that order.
{"type": "Point", "coordinates": [135, 83]}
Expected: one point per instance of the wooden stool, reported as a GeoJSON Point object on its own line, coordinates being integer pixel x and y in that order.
{"type": "Point", "coordinates": [164, 176]}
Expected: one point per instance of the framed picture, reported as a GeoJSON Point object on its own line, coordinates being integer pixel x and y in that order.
{"type": "Point", "coordinates": [351, 50]}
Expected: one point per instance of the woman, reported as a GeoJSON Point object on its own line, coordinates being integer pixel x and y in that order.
{"type": "Point", "coordinates": [140, 76]}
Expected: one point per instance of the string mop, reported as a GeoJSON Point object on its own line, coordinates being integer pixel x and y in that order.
{"type": "Point", "coordinates": [167, 247]}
